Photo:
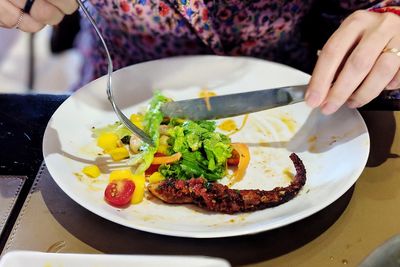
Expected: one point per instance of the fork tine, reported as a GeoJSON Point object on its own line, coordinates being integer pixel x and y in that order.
{"type": "Point", "coordinates": [141, 134]}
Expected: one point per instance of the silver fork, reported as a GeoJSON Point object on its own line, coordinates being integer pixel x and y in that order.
{"type": "Point", "coordinates": [137, 131]}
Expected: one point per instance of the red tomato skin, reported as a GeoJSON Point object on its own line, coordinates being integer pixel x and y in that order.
{"type": "Point", "coordinates": [119, 193]}
{"type": "Point", "coordinates": [150, 170]}
{"type": "Point", "coordinates": [153, 167]}
{"type": "Point", "coordinates": [234, 159]}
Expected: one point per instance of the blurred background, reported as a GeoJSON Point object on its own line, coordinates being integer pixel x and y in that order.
{"type": "Point", "coordinates": [43, 62]}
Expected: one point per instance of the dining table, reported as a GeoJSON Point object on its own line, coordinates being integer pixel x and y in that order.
{"type": "Point", "coordinates": [37, 215]}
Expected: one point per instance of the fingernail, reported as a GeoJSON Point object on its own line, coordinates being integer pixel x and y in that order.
{"type": "Point", "coordinates": [352, 104]}
{"type": "Point", "coordinates": [329, 108]}
{"type": "Point", "coordinates": [312, 99]}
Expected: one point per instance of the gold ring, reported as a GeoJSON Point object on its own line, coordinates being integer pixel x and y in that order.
{"type": "Point", "coordinates": [392, 50]}
{"type": "Point", "coordinates": [19, 19]}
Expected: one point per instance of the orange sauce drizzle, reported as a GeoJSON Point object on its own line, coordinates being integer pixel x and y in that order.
{"type": "Point", "coordinates": [206, 94]}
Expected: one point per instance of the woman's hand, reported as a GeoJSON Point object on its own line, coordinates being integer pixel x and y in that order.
{"type": "Point", "coordinates": [354, 66]}
{"type": "Point", "coordinates": [42, 12]}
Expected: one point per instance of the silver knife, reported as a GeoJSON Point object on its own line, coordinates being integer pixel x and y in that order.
{"type": "Point", "coordinates": [234, 104]}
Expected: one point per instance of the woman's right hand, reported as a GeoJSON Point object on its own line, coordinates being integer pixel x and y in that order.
{"type": "Point", "coordinates": [43, 12]}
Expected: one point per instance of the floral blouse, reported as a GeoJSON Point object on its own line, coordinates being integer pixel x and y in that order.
{"type": "Point", "coordinates": [287, 31]}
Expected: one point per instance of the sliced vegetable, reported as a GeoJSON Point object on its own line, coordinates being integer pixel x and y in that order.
{"type": "Point", "coordinates": [234, 159]}
{"type": "Point", "coordinates": [244, 159]}
{"type": "Point", "coordinates": [156, 177]}
{"type": "Point", "coordinates": [119, 193]}
{"type": "Point", "coordinates": [150, 170]}
{"type": "Point", "coordinates": [137, 119]}
{"type": "Point", "coordinates": [119, 153]}
{"type": "Point", "coordinates": [92, 171]}
{"type": "Point", "coordinates": [166, 159]}
{"type": "Point", "coordinates": [108, 141]}
{"type": "Point", "coordinates": [120, 175]}
{"type": "Point", "coordinates": [138, 195]}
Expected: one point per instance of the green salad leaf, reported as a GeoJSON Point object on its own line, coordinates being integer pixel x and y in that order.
{"type": "Point", "coordinates": [204, 151]}
{"type": "Point", "coordinates": [152, 121]}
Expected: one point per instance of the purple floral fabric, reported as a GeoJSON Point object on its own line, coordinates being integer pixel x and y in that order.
{"type": "Point", "coordinates": [141, 30]}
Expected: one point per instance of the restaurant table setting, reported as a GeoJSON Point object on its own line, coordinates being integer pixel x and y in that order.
{"type": "Point", "coordinates": [347, 208]}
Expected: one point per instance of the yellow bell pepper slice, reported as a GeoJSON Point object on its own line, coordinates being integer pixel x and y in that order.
{"type": "Point", "coordinates": [119, 153]}
{"type": "Point", "coordinates": [108, 141]}
{"type": "Point", "coordinates": [138, 194]}
{"type": "Point", "coordinates": [137, 119]}
{"type": "Point", "coordinates": [120, 175]}
{"type": "Point", "coordinates": [91, 171]}
{"type": "Point", "coordinates": [156, 177]}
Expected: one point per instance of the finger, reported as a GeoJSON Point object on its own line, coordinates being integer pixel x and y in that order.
{"type": "Point", "coordinates": [42, 11]}
{"type": "Point", "coordinates": [330, 59]}
{"type": "Point", "coordinates": [66, 6]}
{"type": "Point", "coordinates": [395, 82]}
{"type": "Point", "coordinates": [383, 71]}
{"type": "Point", "coordinates": [356, 68]}
{"type": "Point", "coordinates": [9, 16]}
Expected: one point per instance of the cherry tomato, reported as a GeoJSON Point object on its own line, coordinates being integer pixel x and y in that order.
{"type": "Point", "coordinates": [119, 193]}
{"type": "Point", "coordinates": [234, 159]}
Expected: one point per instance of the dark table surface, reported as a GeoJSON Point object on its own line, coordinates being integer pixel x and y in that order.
{"type": "Point", "coordinates": [23, 120]}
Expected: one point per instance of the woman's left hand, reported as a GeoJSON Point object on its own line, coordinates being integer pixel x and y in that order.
{"type": "Point", "coordinates": [356, 64]}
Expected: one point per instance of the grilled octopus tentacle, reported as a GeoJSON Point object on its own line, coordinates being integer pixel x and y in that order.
{"type": "Point", "coordinates": [220, 198]}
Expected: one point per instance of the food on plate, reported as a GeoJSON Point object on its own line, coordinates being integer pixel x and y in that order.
{"type": "Point", "coordinates": [137, 179]}
{"type": "Point", "coordinates": [184, 165]}
{"type": "Point", "coordinates": [91, 171]}
{"type": "Point", "coordinates": [119, 192]}
{"type": "Point", "coordinates": [216, 197]}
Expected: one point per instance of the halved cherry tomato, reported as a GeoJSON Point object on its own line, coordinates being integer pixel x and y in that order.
{"type": "Point", "coordinates": [119, 192]}
{"type": "Point", "coordinates": [234, 159]}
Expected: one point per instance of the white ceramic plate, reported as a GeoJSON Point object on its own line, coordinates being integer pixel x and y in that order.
{"type": "Point", "coordinates": [41, 259]}
{"type": "Point", "coordinates": [333, 148]}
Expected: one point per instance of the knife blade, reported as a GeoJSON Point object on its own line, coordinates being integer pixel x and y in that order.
{"type": "Point", "coordinates": [234, 104]}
